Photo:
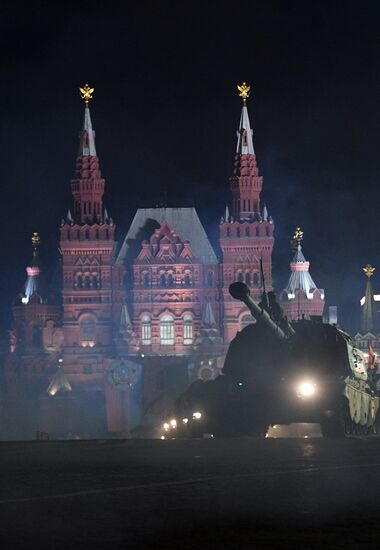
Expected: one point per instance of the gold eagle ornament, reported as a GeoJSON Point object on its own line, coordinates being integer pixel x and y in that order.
{"type": "Point", "coordinates": [244, 91]}
{"type": "Point", "coordinates": [86, 93]}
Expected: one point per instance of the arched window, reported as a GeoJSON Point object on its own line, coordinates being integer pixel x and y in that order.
{"type": "Point", "coordinates": [238, 232]}
{"type": "Point", "coordinates": [145, 279]}
{"type": "Point", "coordinates": [146, 331]}
{"type": "Point", "coordinates": [97, 234]}
{"type": "Point", "coordinates": [257, 232]}
{"type": "Point", "coordinates": [87, 331]}
{"type": "Point", "coordinates": [246, 320]}
{"type": "Point", "coordinates": [87, 282]}
{"type": "Point", "coordinates": [167, 330]}
{"type": "Point", "coordinates": [162, 279]}
{"type": "Point", "coordinates": [80, 281]}
{"type": "Point", "coordinates": [240, 277]}
{"type": "Point", "coordinates": [187, 279]}
{"type": "Point", "coordinates": [170, 280]}
{"type": "Point", "coordinates": [95, 281]}
{"type": "Point", "coordinates": [256, 279]}
{"type": "Point", "coordinates": [87, 234]}
{"type": "Point", "coordinates": [247, 232]}
{"type": "Point", "coordinates": [187, 330]}
{"type": "Point", "coordinates": [248, 279]}
{"type": "Point", "coordinates": [228, 232]}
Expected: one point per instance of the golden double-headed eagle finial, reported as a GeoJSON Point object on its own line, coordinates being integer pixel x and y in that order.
{"type": "Point", "coordinates": [369, 270]}
{"type": "Point", "coordinates": [297, 238]}
{"type": "Point", "coordinates": [35, 240]}
{"type": "Point", "coordinates": [86, 93]}
{"type": "Point", "coordinates": [244, 91]}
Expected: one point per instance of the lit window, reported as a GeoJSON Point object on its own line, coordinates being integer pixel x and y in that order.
{"type": "Point", "coordinates": [187, 330]}
{"type": "Point", "coordinates": [167, 330]}
{"type": "Point", "coordinates": [87, 328]}
{"type": "Point", "coordinates": [146, 331]}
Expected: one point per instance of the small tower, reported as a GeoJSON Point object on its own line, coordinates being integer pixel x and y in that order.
{"type": "Point", "coordinates": [301, 298]}
{"type": "Point", "coordinates": [368, 309]}
{"type": "Point", "coordinates": [35, 315]}
{"type": "Point", "coordinates": [246, 237]}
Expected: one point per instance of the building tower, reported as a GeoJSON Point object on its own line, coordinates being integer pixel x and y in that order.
{"type": "Point", "coordinates": [368, 308]}
{"type": "Point", "coordinates": [86, 245]}
{"type": "Point", "coordinates": [301, 298]}
{"type": "Point", "coordinates": [246, 237]}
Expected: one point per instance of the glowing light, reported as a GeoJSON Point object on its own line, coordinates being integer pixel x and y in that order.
{"type": "Point", "coordinates": [166, 426]}
{"type": "Point", "coordinates": [240, 384]}
{"type": "Point", "coordinates": [306, 389]}
{"type": "Point", "coordinates": [197, 415]}
{"type": "Point", "coordinates": [185, 420]}
{"type": "Point", "coordinates": [162, 437]}
{"type": "Point", "coordinates": [173, 423]}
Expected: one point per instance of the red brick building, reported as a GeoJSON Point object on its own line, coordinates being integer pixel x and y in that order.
{"type": "Point", "coordinates": [140, 320]}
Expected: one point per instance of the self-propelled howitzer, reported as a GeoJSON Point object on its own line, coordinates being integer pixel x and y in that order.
{"type": "Point", "coordinates": [278, 372]}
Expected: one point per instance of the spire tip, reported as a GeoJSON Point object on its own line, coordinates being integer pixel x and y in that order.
{"type": "Point", "coordinates": [244, 91]}
{"type": "Point", "coordinates": [86, 93]}
{"type": "Point", "coordinates": [369, 270]}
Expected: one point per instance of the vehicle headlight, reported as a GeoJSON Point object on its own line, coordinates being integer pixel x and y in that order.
{"type": "Point", "coordinates": [165, 426]}
{"type": "Point", "coordinates": [173, 423]}
{"type": "Point", "coordinates": [197, 415]}
{"type": "Point", "coordinates": [306, 389]}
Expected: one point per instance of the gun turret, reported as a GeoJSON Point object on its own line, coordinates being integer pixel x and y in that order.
{"type": "Point", "coordinates": [241, 292]}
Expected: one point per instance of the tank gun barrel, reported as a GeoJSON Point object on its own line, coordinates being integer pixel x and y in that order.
{"type": "Point", "coordinates": [241, 292]}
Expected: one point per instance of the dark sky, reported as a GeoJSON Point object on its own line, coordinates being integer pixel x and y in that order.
{"type": "Point", "coordinates": [166, 112]}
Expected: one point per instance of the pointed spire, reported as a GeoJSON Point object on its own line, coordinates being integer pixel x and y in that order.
{"type": "Point", "coordinates": [300, 278]}
{"type": "Point", "coordinates": [88, 185]}
{"type": "Point", "coordinates": [368, 311]}
{"type": "Point", "coordinates": [106, 216]}
{"type": "Point", "coordinates": [265, 213]}
{"type": "Point", "coordinates": [245, 133]}
{"type": "Point", "coordinates": [208, 316]}
{"type": "Point", "coordinates": [69, 217]}
{"type": "Point", "coordinates": [87, 137]}
{"type": "Point", "coordinates": [125, 320]}
{"type": "Point", "coordinates": [246, 182]}
{"type": "Point", "coordinates": [33, 271]}
{"type": "Point", "coordinates": [227, 213]}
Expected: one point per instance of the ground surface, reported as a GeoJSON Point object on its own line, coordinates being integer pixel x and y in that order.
{"type": "Point", "coordinates": [237, 493]}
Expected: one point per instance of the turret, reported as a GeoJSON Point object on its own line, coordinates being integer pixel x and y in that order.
{"type": "Point", "coordinates": [241, 292]}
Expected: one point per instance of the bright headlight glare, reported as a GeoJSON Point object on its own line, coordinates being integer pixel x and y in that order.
{"type": "Point", "coordinates": [197, 415]}
{"type": "Point", "coordinates": [185, 420]}
{"type": "Point", "coordinates": [306, 389]}
{"type": "Point", "coordinates": [173, 423]}
{"type": "Point", "coordinates": [166, 426]}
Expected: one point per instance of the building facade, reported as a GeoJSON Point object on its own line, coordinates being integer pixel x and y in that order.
{"type": "Point", "coordinates": [138, 319]}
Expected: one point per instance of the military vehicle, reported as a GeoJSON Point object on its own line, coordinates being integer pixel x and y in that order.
{"type": "Point", "coordinates": [278, 372]}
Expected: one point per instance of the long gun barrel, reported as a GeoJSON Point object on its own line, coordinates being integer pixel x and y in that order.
{"type": "Point", "coordinates": [240, 291]}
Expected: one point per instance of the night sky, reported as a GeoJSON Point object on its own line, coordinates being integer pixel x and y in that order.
{"type": "Point", "coordinates": [166, 110]}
